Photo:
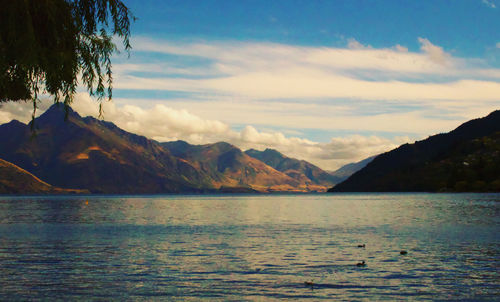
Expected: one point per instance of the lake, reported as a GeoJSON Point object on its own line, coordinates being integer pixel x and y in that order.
{"type": "Point", "coordinates": [250, 247]}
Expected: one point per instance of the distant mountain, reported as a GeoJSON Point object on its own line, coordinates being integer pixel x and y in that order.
{"type": "Point", "coordinates": [15, 180]}
{"type": "Point", "coordinates": [307, 174]}
{"type": "Point", "coordinates": [465, 159]}
{"type": "Point", "coordinates": [86, 153]}
{"type": "Point", "coordinates": [347, 170]}
{"type": "Point", "coordinates": [229, 167]}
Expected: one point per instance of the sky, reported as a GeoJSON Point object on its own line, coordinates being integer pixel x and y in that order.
{"type": "Point", "coordinates": [331, 82]}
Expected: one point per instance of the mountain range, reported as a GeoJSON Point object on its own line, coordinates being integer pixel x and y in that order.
{"type": "Point", "coordinates": [84, 153]}
{"type": "Point", "coordinates": [466, 159]}
{"type": "Point", "coordinates": [72, 154]}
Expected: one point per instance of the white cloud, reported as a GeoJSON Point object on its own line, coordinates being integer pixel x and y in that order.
{"type": "Point", "coordinates": [159, 122]}
{"type": "Point", "coordinates": [401, 48]}
{"type": "Point", "coordinates": [435, 53]}
{"type": "Point", "coordinates": [354, 44]}
{"type": "Point", "coordinates": [306, 83]}
{"type": "Point", "coordinates": [233, 57]}
{"type": "Point", "coordinates": [21, 111]}
{"type": "Point", "coordinates": [489, 3]}
{"type": "Point", "coordinates": [498, 45]}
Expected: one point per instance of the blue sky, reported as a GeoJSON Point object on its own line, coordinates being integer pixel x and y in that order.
{"type": "Point", "coordinates": [467, 27]}
{"type": "Point", "coordinates": [327, 81]}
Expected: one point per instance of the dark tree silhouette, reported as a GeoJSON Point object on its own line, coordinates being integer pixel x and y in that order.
{"type": "Point", "coordinates": [46, 46]}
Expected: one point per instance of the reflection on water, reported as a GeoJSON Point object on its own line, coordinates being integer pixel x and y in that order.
{"type": "Point", "coordinates": [258, 247]}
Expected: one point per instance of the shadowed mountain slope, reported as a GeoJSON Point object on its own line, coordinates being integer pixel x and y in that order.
{"type": "Point", "coordinates": [15, 180]}
{"type": "Point", "coordinates": [465, 159]}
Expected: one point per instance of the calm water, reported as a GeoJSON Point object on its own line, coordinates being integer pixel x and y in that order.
{"type": "Point", "coordinates": [261, 247]}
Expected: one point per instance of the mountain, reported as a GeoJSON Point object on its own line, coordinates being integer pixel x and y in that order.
{"type": "Point", "coordinates": [307, 174]}
{"type": "Point", "coordinates": [347, 170]}
{"type": "Point", "coordinates": [15, 180]}
{"type": "Point", "coordinates": [87, 153]}
{"type": "Point", "coordinates": [465, 159]}
{"type": "Point", "coordinates": [229, 167]}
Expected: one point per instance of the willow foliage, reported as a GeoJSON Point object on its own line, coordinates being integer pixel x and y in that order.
{"type": "Point", "coordinates": [47, 46]}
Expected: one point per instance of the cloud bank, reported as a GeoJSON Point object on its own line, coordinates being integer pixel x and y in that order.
{"type": "Point", "coordinates": [277, 71]}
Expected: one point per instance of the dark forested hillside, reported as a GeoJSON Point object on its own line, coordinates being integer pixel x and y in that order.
{"type": "Point", "coordinates": [465, 159]}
